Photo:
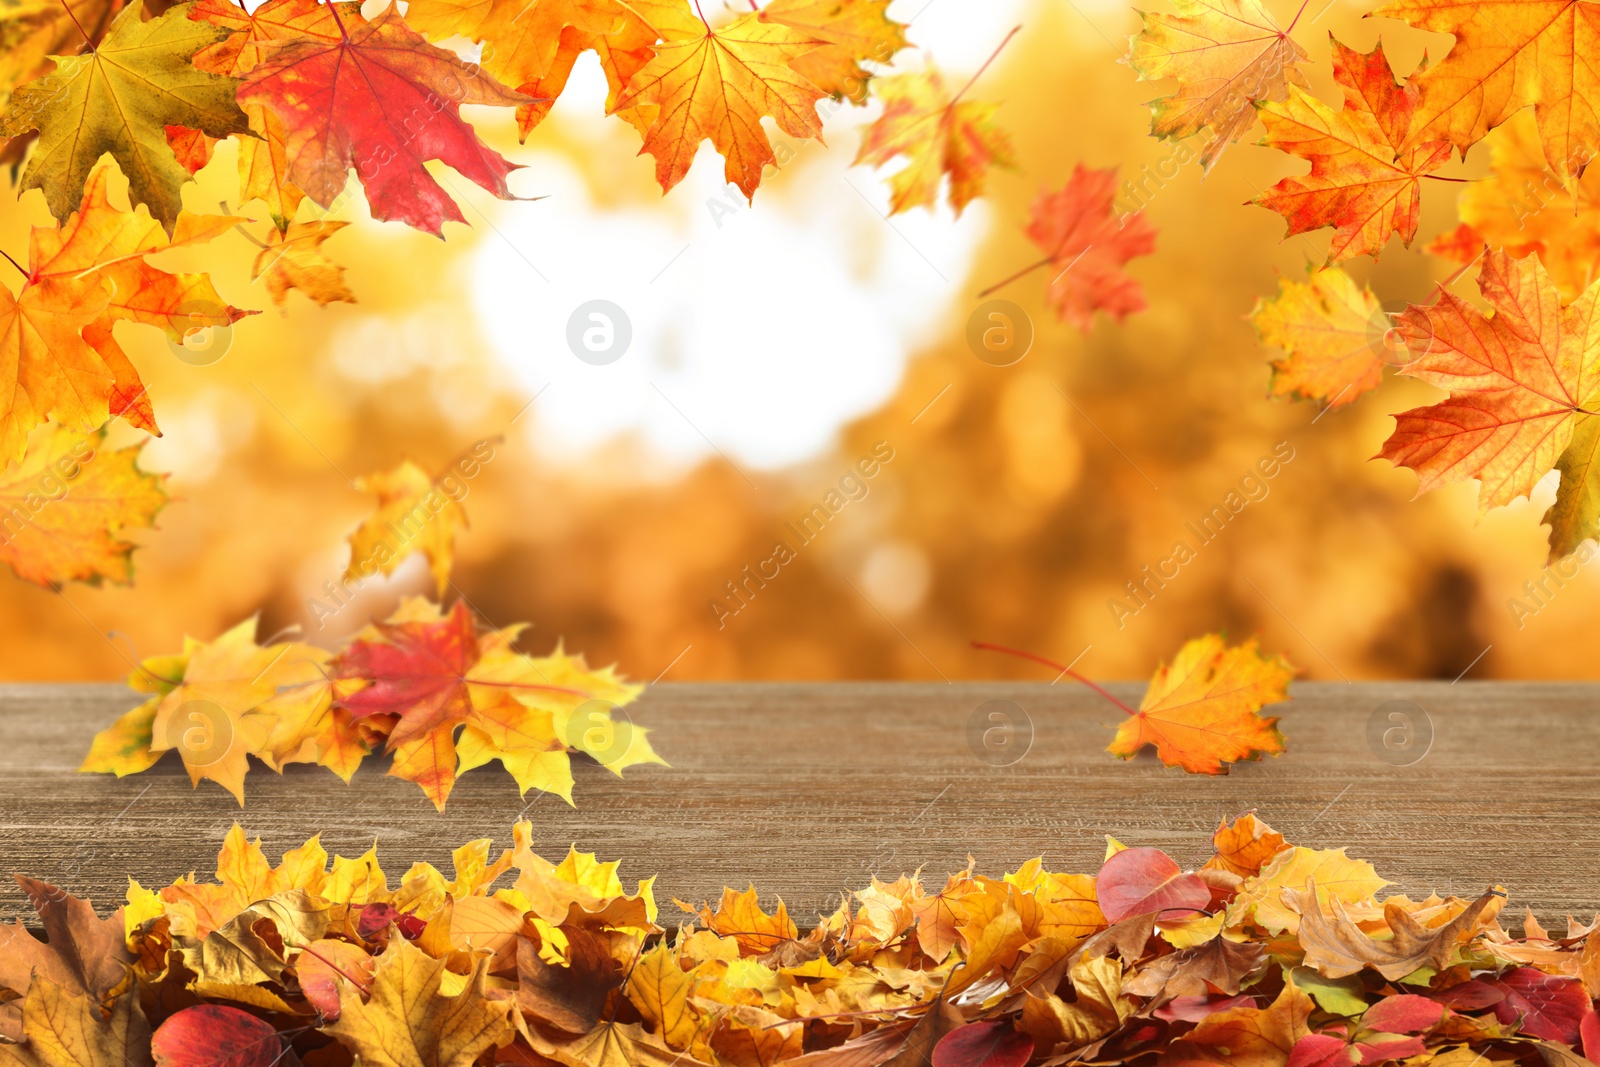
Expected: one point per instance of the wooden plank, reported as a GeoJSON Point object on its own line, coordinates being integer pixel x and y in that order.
{"type": "Point", "coordinates": [806, 789]}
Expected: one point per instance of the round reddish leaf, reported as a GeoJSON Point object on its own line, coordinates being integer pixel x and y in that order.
{"type": "Point", "coordinates": [211, 1035]}
{"type": "Point", "coordinates": [1138, 881]}
{"type": "Point", "coordinates": [1545, 1005]}
{"type": "Point", "coordinates": [374, 918]}
{"type": "Point", "coordinates": [1321, 1050]}
{"type": "Point", "coordinates": [985, 1044]}
{"type": "Point", "coordinates": [1405, 1013]}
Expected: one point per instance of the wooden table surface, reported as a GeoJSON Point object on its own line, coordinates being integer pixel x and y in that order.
{"type": "Point", "coordinates": [805, 789]}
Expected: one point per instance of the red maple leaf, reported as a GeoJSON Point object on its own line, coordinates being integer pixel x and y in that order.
{"type": "Point", "coordinates": [1086, 245]}
{"type": "Point", "coordinates": [383, 100]}
{"type": "Point", "coordinates": [418, 673]}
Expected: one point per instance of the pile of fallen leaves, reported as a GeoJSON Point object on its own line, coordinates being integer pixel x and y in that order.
{"type": "Point", "coordinates": [1269, 955]}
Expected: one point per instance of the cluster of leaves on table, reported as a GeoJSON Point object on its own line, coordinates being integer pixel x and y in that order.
{"type": "Point", "coordinates": [427, 686]}
{"type": "Point", "coordinates": [1268, 955]}
{"type": "Point", "coordinates": [1522, 378]}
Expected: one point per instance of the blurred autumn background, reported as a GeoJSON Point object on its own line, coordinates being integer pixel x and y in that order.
{"type": "Point", "coordinates": [773, 347]}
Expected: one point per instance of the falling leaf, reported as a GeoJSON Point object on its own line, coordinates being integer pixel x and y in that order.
{"type": "Point", "coordinates": [65, 508]}
{"type": "Point", "coordinates": [1227, 56]}
{"type": "Point", "coordinates": [1201, 713]}
{"type": "Point", "coordinates": [1088, 244]}
{"type": "Point", "coordinates": [416, 513]}
{"type": "Point", "coordinates": [939, 135]}
{"type": "Point", "coordinates": [294, 259]}
{"type": "Point", "coordinates": [1366, 172]}
{"type": "Point", "coordinates": [1521, 381]}
{"type": "Point", "coordinates": [120, 98]}
{"type": "Point", "coordinates": [1331, 331]}
{"type": "Point", "coordinates": [337, 99]}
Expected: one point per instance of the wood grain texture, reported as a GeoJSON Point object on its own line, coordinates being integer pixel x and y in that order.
{"type": "Point", "coordinates": [805, 789]}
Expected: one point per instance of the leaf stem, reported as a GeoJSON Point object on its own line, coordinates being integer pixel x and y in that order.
{"type": "Point", "coordinates": [1068, 671]}
{"type": "Point", "coordinates": [15, 264]}
{"type": "Point", "coordinates": [86, 38]}
{"type": "Point", "coordinates": [1023, 273]}
{"type": "Point", "coordinates": [992, 57]}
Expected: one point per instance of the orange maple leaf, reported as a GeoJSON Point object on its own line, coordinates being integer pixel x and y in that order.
{"type": "Point", "coordinates": [1332, 332]}
{"type": "Point", "coordinates": [1507, 55]}
{"type": "Point", "coordinates": [717, 85]}
{"type": "Point", "coordinates": [65, 507]}
{"type": "Point", "coordinates": [1226, 56]}
{"type": "Point", "coordinates": [938, 134]}
{"type": "Point", "coordinates": [855, 31]}
{"type": "Point", "coordinates": [381, 99]}
{"type": "Point", "coordinates": [1365, 170]}
{"type": "Point", "coordinates": [532, 44]}
{"type": "Point", "coordinates": [1201, 712]}
{"type": "Point", "coordinates": [1086, 244]}
{"type": "Point", "coordinates": [1522, 383]}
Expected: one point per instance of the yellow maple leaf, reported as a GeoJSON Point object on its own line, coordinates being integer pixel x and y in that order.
{"type": "Point", "coordinates": [415, 514]}
{"type": "Point", "coordinates": [938, 134]}
{"type": "Point", "coordinates": [409, 1021]}
{"type": "Point", "coordinates": [718, 85]}
{"type": "Point", "coordinates": [119, 98]}
{"type": "Point", "coordinates": [1337, 876]}
{"type": "Point", "coordinates": [1226, 56]}
{"type": "Point", "coordinates": [65, 506]}
{"type": "Point", "coordinates": [293, 259]}
{"type": "Point", "coordinates": [1332, 333]}
{"type": "Point", "coordinates": [855, 31]}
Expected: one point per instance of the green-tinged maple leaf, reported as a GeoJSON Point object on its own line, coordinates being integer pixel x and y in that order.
{"type": "Point", "coordinates": [120, 98]}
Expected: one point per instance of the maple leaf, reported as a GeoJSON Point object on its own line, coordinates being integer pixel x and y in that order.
{"type": "Point", "coordinates": [1522, 382]}
{"type": "Point", "coordinates": [938, 134]}
{"type": "Point", "coordinates": [1087, 244]}
{"type": "Point", "coordinates": [262, 161]}
{"type": "Point", "coordinates": [293, 259]}
{"type": "Point", "coordinates": [739, 915]}
{"type": "Point", "coordinates": [380, 99]}
{"type": "Point", "coordinates": [208, 715]}
{"type": "Point", "coordinates": [1366, 171]}
{"type": "Point", "coordinates": [415, 513]}
{"type": "Point", "coordinates": [571, 995]}
{"type": "Point", "coordinates": [855, 31]}
{"type": "Point", "coordinates": [35, 30]}
{"type": "Point", "coordinates": [1263, 899]}
{"type": "Point", "coordinates": [1336, 946]}
{"type": "Point", "coordinates": [1330, 329]}
{"type": "Point", "coordinates": [59, 358]}
{"type": "Point", "coordinates": [120, 98]}
{"type": "Point", "coordinates": [1522, 209]}
{"type": "Point", "coordinates": [717, 85]}
{"type": "Point", "coordinates": [1201, 712]}
{"type": "Point", "coordinates": [660, 989]}
{"type": "Point", "coordinates": [1245, 846]}
{"type": "Point", "coordinates": [1508, 55]}
{"type": "Point", "coordinates": [409, 1021]}
{"type": "Point", "coordinates": [1226, 56]}
{"type": "Point", "coordinates": [66, 1029]}
{"type": "Point", "coordinates": [66, 505]}
{"type": "Point", "coordinates": [84, 955]}
{"type": "Point", "coordinates": [1249, 1036]}
{"type": "Point", "coordinates": [533, 45]}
